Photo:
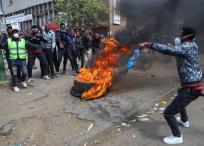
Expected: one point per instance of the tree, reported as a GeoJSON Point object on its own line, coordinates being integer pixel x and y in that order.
{"type": "Point", "coordinates": [79, 12]}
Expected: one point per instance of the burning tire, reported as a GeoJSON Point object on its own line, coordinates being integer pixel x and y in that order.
{"type": "Point", "coordinates": [94, 81]}
{"type": "Point", "coordinates": [80, 87]}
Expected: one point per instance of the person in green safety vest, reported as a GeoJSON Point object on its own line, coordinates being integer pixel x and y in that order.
{"type": "Point", "coordinates": [16, 47]}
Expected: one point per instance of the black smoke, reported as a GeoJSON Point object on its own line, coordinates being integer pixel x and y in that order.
{"type": "Point", "coordinates": [159, 20]}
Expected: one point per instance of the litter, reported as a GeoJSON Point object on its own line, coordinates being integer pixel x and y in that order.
{"type": "Point", "coordinates": [156, 104]}
{"type": "Point", "coordinates": [143, 119]}
{"type": "Point", "coordinates": [123, 124]}
{"type": "Point", "coordinates": [133, 121]}
{"type": "Point", "coordinates": [164, 102]}
{"type": "Point", "coordinates": [90, 127]}
{"type": "Point", "coordinates": [85, 144]}
{"type": "Point", "coordinates": [119, 130]}
{"type": "Point", "coordinates": [142, 116]}
{"type": "Point", "coordinates": [161, 110]}
{"type": "Point", "coordinates": [153, 109]}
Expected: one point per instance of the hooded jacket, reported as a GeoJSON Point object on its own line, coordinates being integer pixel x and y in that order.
{"type": "Point", "coordinates": [187, 60]}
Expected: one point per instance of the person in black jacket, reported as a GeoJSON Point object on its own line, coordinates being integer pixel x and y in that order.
{"type": "Point", "coordinates": [61, 43]}
{"type": "Point", "coordinates": [35, 50]}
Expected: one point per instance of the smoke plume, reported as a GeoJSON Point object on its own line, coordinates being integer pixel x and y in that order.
{"type": "Point", "coordinates": [159, 20]}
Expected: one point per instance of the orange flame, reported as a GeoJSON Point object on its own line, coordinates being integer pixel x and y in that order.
{"type": "Point", "coordinates": [102, 71]}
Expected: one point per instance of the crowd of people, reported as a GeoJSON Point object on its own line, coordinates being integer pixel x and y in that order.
{"type": "Point", "coordinates": [50, 47]}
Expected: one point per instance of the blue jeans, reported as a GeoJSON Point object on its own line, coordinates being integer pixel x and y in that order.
{"type": "Point", "coordinates": [18, 66]}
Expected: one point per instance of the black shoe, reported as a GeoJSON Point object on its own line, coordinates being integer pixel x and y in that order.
{"type": "Point", "coordinates": [77, 71]}
{"type": "Point", "coordinates": [52, 76]}
{"type": "Point", "coordinates": [64, 72]}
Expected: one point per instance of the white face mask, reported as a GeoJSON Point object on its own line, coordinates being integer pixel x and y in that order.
{"type": "Point", "coordinates": [177, 41]}
{"type": "Point", "coordinates": [16, 35]}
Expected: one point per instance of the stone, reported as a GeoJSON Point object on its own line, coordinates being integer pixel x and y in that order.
{"type": "Point", "coordinates": [6, 130]}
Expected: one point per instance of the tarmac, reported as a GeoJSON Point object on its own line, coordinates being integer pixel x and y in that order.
{"type": "Point", "coordinates": [45, 114]}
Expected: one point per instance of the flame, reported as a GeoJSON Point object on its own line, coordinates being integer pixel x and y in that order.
{"type": "Point", "coordinates": [102, 71]}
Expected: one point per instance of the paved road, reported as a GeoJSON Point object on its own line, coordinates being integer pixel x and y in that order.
{"type": "Point", "coordinates": [151, 132]}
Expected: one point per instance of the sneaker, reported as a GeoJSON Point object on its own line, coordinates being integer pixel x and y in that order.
{"type": "Point", "coordinates": [173, 140]}
{"type": "Point", "coordinates": [184, 124]}
{"type": "Point", "coordinates": [30, 80]}
{"type": "Point", "coordinates": [24, 84]}
{"type": "Point", "coordinates": [46, 77]}
{"type": "Point", "coordinates": [16, 89]}
{"type": "Point", "coordinates": [57, 74]}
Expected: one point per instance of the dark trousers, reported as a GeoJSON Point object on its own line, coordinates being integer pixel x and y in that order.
{"type": "Point", "coordinates": [81, 52]}
{"type": "Point", "coordinates": [49, 57]}
{"type": "Point", "coordinates": [184, 98]}
{"type": "Point", "coordinates": [18, 67]}
{"type": "Point", "coordinates": [65, 54]}
{"type": "Point", "coordinates": [43, 64]}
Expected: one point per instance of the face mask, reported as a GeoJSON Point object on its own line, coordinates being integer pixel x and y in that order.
{"type": "Point", "coordinates": [178, 40]}
{"type": "Point", "coordinates": [16, 35]}
{"type": "Point", "coordinates": [35, 30]}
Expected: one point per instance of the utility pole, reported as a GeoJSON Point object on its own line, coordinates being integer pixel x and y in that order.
{"type": "Point", "coordinates": [2, 18]}
{"type": "Point", "coordinates": [2, 29]}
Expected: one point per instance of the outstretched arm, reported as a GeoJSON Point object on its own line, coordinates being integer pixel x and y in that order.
{"type": "Point", "coordinates": [164, 49]}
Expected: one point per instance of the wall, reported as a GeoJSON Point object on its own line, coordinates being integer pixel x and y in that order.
{"type": "Point", "coordinates": [20, 4]}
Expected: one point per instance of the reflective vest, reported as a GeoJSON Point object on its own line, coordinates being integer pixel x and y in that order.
{"type": "Point", "coordinates": [17, 50]}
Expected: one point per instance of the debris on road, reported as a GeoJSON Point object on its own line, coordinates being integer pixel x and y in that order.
{"type": "Point", "coordinates": [142, 116]}
{"type": "Point", "coordinates": [90, 127]}
{"type": "Point", "coordinates": [133, 121]}
{"type": "Point", "coordinates": [85, 144]}
{"type": "Point", "coordinates": [143, 119]}
{"type": "Point", "coordinates": [6, 130]}
{"type": "Point", "coordinates": [30, 93]}
{"type": "Point", "coordinates": [164, 102]}
{"type": "Point", "coordinates": [97, 141]}
{"type": "Point", "coordinates": [123, 124]}
{"type": "Point", "coordinates": [161, 110]}
{"type": "Point", "coordinates": [119, 130]}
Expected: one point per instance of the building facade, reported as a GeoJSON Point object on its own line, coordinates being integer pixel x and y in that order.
{"type": "Point", "coordinates": [117, 22]}
{"type": "Point", "coordinates": [24, 13]}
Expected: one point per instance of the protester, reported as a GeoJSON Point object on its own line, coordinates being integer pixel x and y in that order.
{"type": "Point", "coordinates": [49, 48]}
{"type": "Point", "coordinates": [186, 52]}
{"type": "Point", "coordinates": [61, 50]}
{"type": "Point", "coordinates": [17, 55]}
{"type": "Point", "coordinates": [71, 50]}
{"type": "Point", "coordinates": [35, 50]}
{"type": "Point", "coordinates": [96, 43]}
{"type": "Point", "coordinates": [81, 44]}
{"type": "Point", "coordinates": [4, 39]}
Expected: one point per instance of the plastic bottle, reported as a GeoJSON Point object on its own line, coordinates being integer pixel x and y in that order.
{"type": "Point", "coordinates": [133, 59]}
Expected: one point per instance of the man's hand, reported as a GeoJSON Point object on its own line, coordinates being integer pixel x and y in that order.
{"type": "Point", "coordinates": [53, 49]}
{"type": "Point", "coordinates": [145, 45]}
{"type": "Point", "coordinates": [61, 45]}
